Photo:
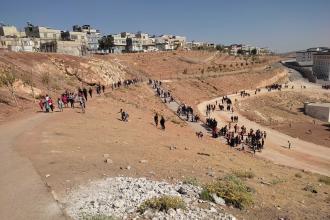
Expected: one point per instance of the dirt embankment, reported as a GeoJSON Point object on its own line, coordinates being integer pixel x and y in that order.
{"type": "Point", "coordinates": [186, 64]}
{"type": "Point", "coordinates": [72, 153]}
{"type": "Point", "coordinates": [48, 73]}
{"type": "Point", "coordinates": [194, 91]}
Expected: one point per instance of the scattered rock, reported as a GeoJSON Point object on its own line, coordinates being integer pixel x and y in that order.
{"type": "Point", "coordinates": [128, 167]}
{"type": "Point", "coordinates": [108, 161]}
{"type": "Point", "coordinates": [218, 200]}
{"type": "Point", "coordinates": [211, 174]}
{"type": "Point", "coordinates": [186, 148]}
{"type": "Point", "coordinates": [182, 191]}
{"type": "Point", "coordinates": [106, 155]}
{"type": "Point", "coordinates": [47, 175]}
{"type": "Point", "coordinates": [121, 196]}
{"type": "Point", "coordinates": [203, 154]}
{"type": "Point", "coordinates": [265, 183]}
{"type": "Point", "coordinates": [143, 161]}
{"type": "Point", "coordinates": [172, 147]}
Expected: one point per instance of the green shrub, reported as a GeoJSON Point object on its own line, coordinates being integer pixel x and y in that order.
{"type": "Point", "coordinates": [325, 179]}
{"type": "Point", "coordinates": [163, 203]}
{"type": "Point", "coordinates": [244, 174]}
{"type": "Point", "coordinates": [232, 189]}
{"type": "Point", "coordinates": [205, 195]}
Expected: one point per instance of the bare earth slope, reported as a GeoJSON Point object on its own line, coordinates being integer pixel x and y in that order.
{"type": "Point", "coordinates": [72, 153]}
{"type": "Point", "coordinates": [67, 150]}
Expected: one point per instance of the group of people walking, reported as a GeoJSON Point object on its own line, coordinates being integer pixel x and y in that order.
{"type": "Point", "coordinates": [125, 83]}
{"type": "Point", "coordinates": [161, 121]}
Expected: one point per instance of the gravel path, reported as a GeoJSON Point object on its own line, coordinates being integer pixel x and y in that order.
{"type": "Point", "coordinates": [121, 196]}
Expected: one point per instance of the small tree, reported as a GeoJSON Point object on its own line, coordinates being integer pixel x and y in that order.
{"type": "Point", "coordinates": [45, 79]}
{"type": "Point", "coordinates": [7, 79]}
{"type": "Point", "coordinates": [254, 51]}
{"type": "Point", "coordinates": [28, 80]}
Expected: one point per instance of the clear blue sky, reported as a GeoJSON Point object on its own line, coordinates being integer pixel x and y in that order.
{"type": "Point", "coordinates": [283, 25]}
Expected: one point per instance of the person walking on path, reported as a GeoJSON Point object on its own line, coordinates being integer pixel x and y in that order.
{"type": "Point", "coordinates": [162, 123]}
{"type": "Point", "coordinates": [156, 119]}
{"type": "Point", "coordinates": [82, 103]}
{"type": "Point", "coordinates": [85, 93]}
{"type": "Point", "coordinates": [90, 91]}
{"type": "Point", "coordinates": [60, 104]}
{"type": "Point", "coordinates": [289, 144]}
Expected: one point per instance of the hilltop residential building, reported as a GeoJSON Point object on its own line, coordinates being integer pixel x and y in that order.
{"type": "Point", "coordinates": [17, 44]}
{"type": "Point", "coordinates": [140, 42]}
{"type": "Point", "coordinates": [93, 36]}
{"type": "Point", "coordinates": [134, 44]}
{"type": "Point", "coordinates": [321, 65]}
{"type": "Point", "coordinates": [163, 44]}
{"type": "Point", "coordinates": [74, 48]}
{"type": "Point", "coordinates": [169, 42]}
{"type": "Point", "coordinates": [118, 43]}
{"type": "Point", "coordinates": [10, 31]}
{"type": "Point", "coordinates": [234, 48]}
{"type": "Point", "coordinates": [305, 57]}
{"type": "Point", "coordinates": [44, 33]}
{"type": "Point", "coordinates": [74, 36]}
{"type": "Point", "coordinates": [14, 40]}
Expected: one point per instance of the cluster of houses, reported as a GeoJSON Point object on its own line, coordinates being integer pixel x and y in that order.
{"type": "Point", "coordinates": [78, 42]}
{"type": "Point", "coordinates": [317, 59]}
{"type": "Point", "coordinates": [140, 42]}
{"type": "Point", "coordinates": [84, 40]}
{"type": "Point", "coordinates": [243, 49]}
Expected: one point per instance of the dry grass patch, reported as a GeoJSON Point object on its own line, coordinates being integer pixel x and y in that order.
{"type": "Point", "coordinates": [191, 181]}
{"type": "Point", "coordinates": [325, 180]}
{"type": "Point", "coordinates": [99, 217]}
{"type": "Point", "coordinates": [244, 174]}
{"type": "Point", "coordinates": [163, 203]}
{"type": "Point", "coordinates": [232, 189]}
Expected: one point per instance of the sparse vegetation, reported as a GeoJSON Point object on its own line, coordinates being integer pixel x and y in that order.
{"type": "Point", "coordinates": [244, 174]}
{"type": "Point", "coordinates": [99, 217]}
{"type": "Point", "coordinates": [45, 79]}
{"type": "Point", "coordinates": [325, 180]}
{"type": "Point", "coordinates": [163, 203]}
{"type": "Point", "coordinates": [7, 79]}
{"type": "Point", "coordinates": [191, 181]}
{"type": "Point", "coordinates": [277, 181]}
{"type": "Point", "coordinates": [310, 188]}
{"type": "Point", "coordinates": [232, 189]}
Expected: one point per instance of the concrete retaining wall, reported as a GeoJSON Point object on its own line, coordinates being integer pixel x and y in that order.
{"type": "Point", "coordinates": [320, 112]}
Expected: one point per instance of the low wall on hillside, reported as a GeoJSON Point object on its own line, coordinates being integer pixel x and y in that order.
{"type": "Point", "coordinates": [305, 72]}
{"type": "Point", "coordinates": [277, 77]}
{"type": "Point", "coordinates": [320, 111]}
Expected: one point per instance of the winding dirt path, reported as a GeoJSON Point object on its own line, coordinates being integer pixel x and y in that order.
{"type": "Point", "coordinates": [302, 155]}
{"type": "Point", "coordinates": [23, 195]}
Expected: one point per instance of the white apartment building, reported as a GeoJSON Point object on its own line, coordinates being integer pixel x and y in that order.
{"type": "Point", "coordinates": [321, 65]}
{"type": "Point", "coordinates": [93, 36]}
{"type": "Point", "coordinates": [44, 33]}
{"type": "Point", "coordinates": [305, 57]}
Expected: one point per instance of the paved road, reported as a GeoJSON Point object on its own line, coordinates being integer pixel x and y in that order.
{"type": "Point", "coordinates": [23, 195]}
